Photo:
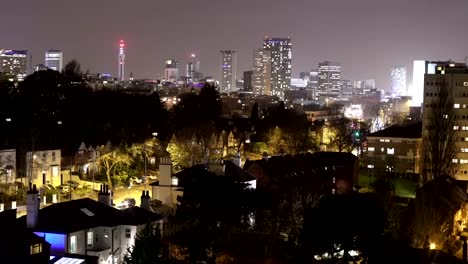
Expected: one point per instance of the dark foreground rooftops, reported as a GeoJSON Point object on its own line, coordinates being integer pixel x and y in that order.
{"type": "Point", "coordinates": [409, 131]}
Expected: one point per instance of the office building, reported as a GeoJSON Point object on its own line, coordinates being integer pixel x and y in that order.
{"type": "Point", "coordinates": [228, 71]}
{"type": "Point", "coordinates": [248, 81]}
{"type": "Point", "coordinates": [193, 69]}
{"type": "Point", "coordinates": [420, 68]}
{"type": "Point", "coordinates": [451, 78]}
{"type": "Point", "coordinates": [171, 71]}
{"type": "Point", "coordinates": [54, 60]}
{"type": "Point", "coordinates": [396, 149]}
{"type": "Point", "coordinates": [13, 64]}
{"type": "Point", "coordinates": [398, 76]}
{"type": "Point", "coordinates": [281, 56]}
{"type": "Point", "coordinates": [121, 61]}
{"type": "Point", "coordinates": [261, 78]}
{"type": "Point", "coordinates": [329, 74]}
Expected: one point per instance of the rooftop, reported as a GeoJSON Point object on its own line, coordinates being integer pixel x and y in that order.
{"type": "Point", "coordinates": [72, 216]}
{"type": "Point", "coordinates": [409, 131]}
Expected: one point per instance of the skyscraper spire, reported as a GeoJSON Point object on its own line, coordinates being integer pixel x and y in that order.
{"type": "Point", "coordinates": [121, 61]}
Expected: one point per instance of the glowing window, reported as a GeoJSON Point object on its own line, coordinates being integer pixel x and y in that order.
{"type": "Point", "coordinates": [370, 149]}
{"type": "Point", "coordinates": [456, 106]}
{"type": "Point", "coordinates": [72, 244]}
{"type": "Point", "coordinates": [454, 160]}
{"type": "Point", "coordinates": [463, 161]}
{"type": "Point", "coordinates": [390, 151]}
{"type": "Point", "coordinates": [36, 249]}
{"type": "Point", "coordinates": [89, 238]}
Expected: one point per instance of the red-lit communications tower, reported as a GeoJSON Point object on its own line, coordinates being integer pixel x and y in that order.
{"type": "Point", "coordinates": [121, 61]}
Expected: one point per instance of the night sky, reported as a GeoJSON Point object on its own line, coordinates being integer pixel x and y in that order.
{"type": "Point", "coordinates": [366, 36]}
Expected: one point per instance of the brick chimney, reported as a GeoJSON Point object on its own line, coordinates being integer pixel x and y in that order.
{"type": "Point", "coordinates": [32, 206]}
{"type": "Point", "coordinates": [104, 195]}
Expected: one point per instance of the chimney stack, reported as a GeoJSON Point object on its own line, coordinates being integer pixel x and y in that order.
{"type": "Point", "coordinates": [104, 195]}
{"type": "Point", "coordinates": [145, 201]}
{"type": "Point", "coordinates": [32, 206]}
{"type": "Point", "coordinates": [237, 160]}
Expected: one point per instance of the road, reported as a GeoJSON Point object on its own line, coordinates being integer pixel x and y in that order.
{"type": "Point", "coordinates": [133, 192]}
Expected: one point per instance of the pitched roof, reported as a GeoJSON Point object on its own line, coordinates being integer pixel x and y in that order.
{"type": "Point", "coordinates": [81, 214]}
{"type": "Point", "coordinates": [396, 131]}
{"type": "Point", "coordinates": [138, 216]}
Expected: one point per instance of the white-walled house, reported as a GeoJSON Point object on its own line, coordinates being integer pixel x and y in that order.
{"type": "Point", "coordinates": [7, 165]}
{"type": "Point", "coordinates": [43, 167]}
{"type": "Point", "coordinates": [89, 227]}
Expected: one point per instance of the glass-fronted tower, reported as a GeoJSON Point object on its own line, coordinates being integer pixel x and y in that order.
{"type": "Point", "coordinates": [54, 60]}
{"type": "Point", "coordinates": [228, 71]}
{"type": "Point", "coordinates": [281, 56]}
{"type": "Point", "coordinates": [121, 61]}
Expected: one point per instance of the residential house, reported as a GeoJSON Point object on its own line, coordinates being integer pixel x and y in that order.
{"type": "Point", "coordinates": [87, 227]}
{"type": "Point", "coordinates": [396, 149]}
{"type": "Point", "coordinates": [7, 166]}
{"type": "Point", "coordinates": [43, 167]}
{"type": "Point", "coordinates": [170, 186]}
{"type": "Point", "coordinates": [19, 244]}
{"type": "Point", "coordinates": [85, 161]}
{"type": "Point", "coordinates": [329, 172]}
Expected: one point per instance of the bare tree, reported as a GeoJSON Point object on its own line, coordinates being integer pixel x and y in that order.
{"type": "Point", "coordinates": [439, 148]}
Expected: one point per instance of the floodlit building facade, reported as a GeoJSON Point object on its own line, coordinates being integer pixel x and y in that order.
{"type": "Point", "coordinates": [228, 71]}
{"type": "Point", "coordinates": [281, 57]}
{"type": "Point", "coordinates": [13, 64]}
{"type": "Point", "coordinates": [54, 60]}
{"type": "Point", "coordinates": [398, 76]}
{"type": "Point", "coordinates": [43, 167]}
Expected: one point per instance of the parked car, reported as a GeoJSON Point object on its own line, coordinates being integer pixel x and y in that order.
{"type": "Point", "coordinates": [73, 184]}
{"type": "Point", "coordinates": [136, 180]}
{"type": "Point", "coordinates": [48, 187]}
{"type": "Point", "coordinates": [64, 188]}
{"type": "Point", "coordinates": [152, 177]}
{"type": "Point", "coordinates": [126, 203]}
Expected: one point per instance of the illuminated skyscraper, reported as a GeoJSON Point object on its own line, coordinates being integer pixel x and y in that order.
{"type": "Point", "coordinates": [228, 71]}
{"type": "Point", "coordinates": [121, 61]}
{"type": "Point", "coordinates": [261, 79]}
{"type": "Point", "coordinates": [13, 64]}
{"type": "Point", "coordinates": [281, 55]}
{"type": "Point", "coordinates": [193, 69]}
{"type": "Point", "coordinates": [171, 71]}
{"type": "Point", "coordinates": [398, 81]}
{"type": "Point", "coordinates": [54, 60]}
{"type": "Point", "coordinates": [329, 78]}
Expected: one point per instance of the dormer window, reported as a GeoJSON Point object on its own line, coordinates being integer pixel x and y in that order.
{"type": "Point", "coordinates": [174, 181]}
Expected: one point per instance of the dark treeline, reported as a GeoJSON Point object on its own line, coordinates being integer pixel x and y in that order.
{"type": "Point", "coordinates": [58, 110]}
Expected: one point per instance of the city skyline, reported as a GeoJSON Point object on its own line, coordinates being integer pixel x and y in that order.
{"type": "Point", "coordinates": [380, 36]}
